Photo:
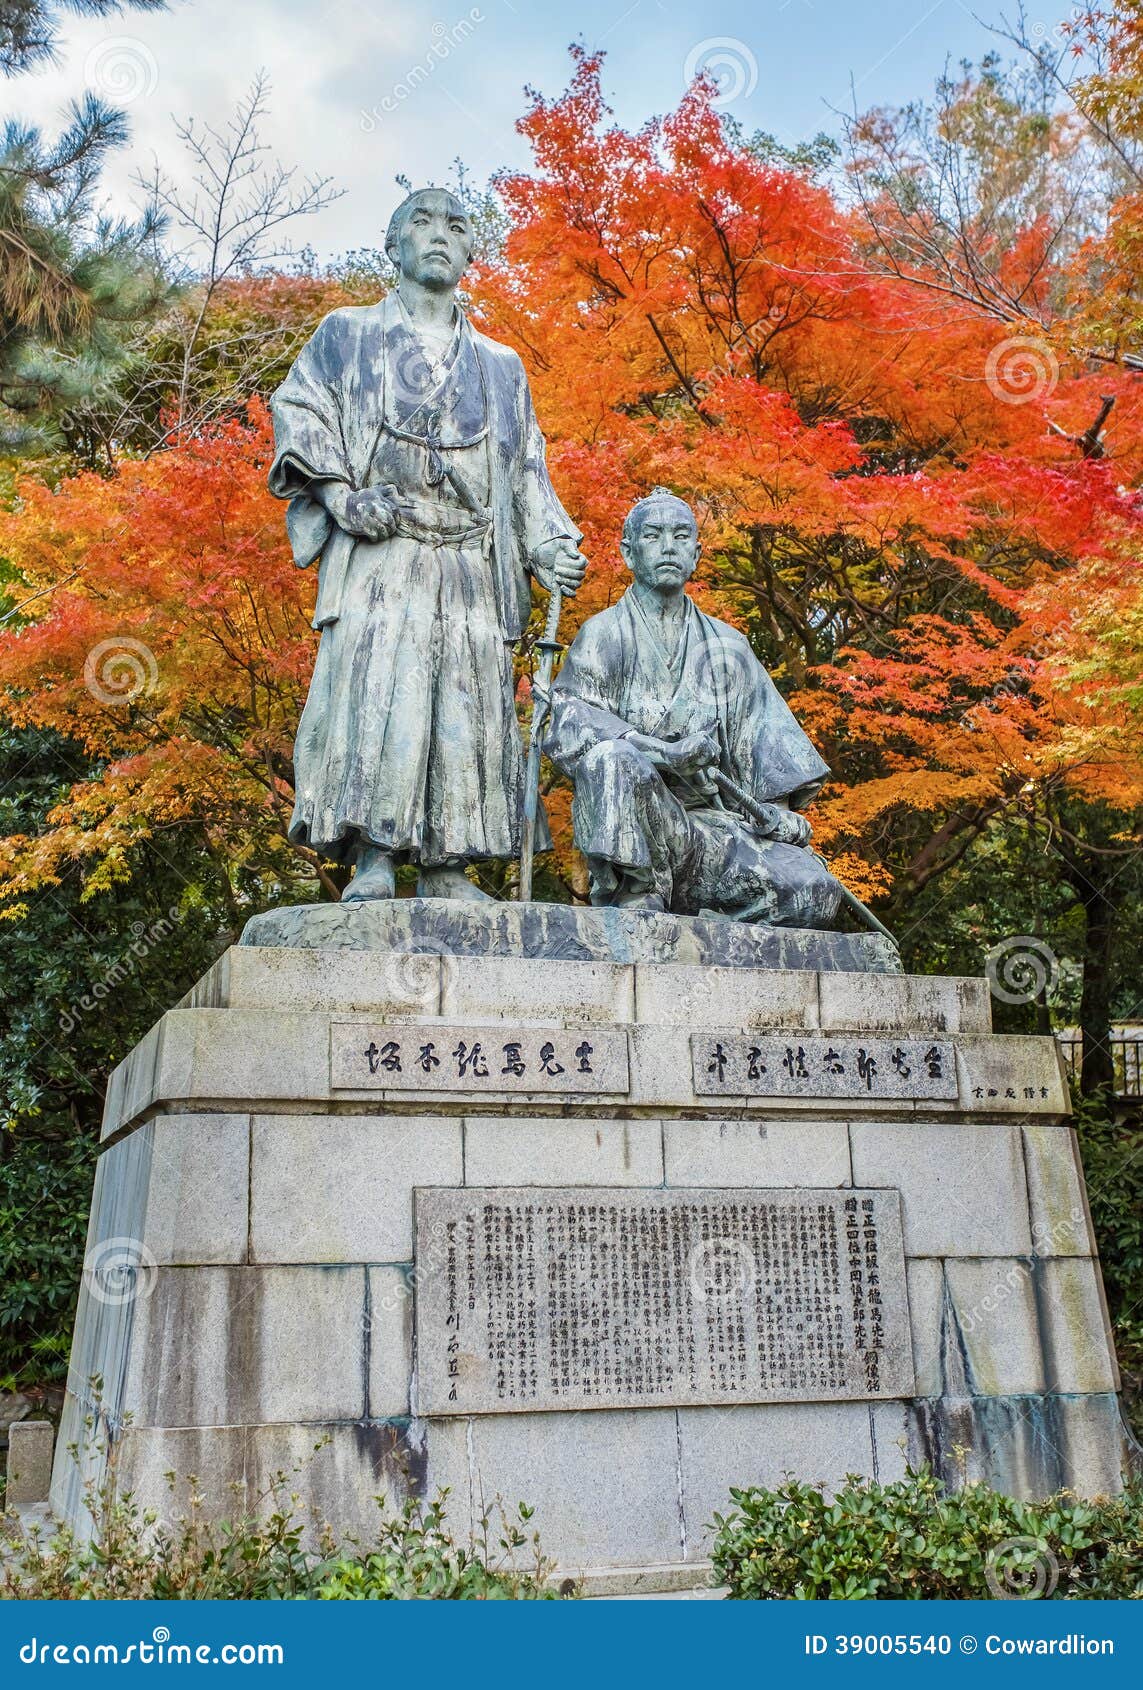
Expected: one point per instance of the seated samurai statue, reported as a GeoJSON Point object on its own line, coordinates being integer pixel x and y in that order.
{"type": "Point", "coordinates": [655, 703]}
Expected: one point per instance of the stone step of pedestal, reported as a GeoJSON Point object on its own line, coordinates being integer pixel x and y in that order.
{"type": "Point", "coordinates": [232, 1061]}
{"type": "Point", "coordinates": [692, 1579]}
{"type": "Point", "coordinates": [603, 992]}
{"type": "Point", "coordinates": [717, 1595]}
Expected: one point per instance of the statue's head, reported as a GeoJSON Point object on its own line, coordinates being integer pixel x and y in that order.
{"type": "Point", "coordinates": [660, 543]}
{"type": "Point", "coordinates": [430, 238]}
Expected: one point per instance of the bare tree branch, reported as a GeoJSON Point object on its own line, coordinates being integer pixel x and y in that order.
{"type": "Point", "coordinates": [231, 218]}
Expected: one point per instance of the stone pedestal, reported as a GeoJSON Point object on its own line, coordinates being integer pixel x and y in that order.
{"type": "Point", "coordinates": [605, 1236]}
{"type": "Point", "coordinates": [29, 1463]}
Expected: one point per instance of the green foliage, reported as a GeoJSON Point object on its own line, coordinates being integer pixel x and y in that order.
{"type": "Point", "coordinates": [813, 158]}
{"type": "Point", "coordinates": [415, 1557]}
{"type": "Point", "coordinates": [269, 1554]}
{"type": "Point", "coordinates": [73, 283]}
{"type": "Point", "coordinates": [29, 29]}
{"type": "Point", "coordinates": [913, 1540]}
{"type": "Point", "coordinates": [1112, 1152]}
{"type": "Point", "coordinates": [45, 1193]}
{"type": "Point", "coordinates": [80, 983]}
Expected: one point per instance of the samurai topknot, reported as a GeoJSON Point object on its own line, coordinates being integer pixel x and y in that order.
{"type": "Point", "coordinates": [637, 515]}
{"type": "Point", "coordinates": [397, 221]}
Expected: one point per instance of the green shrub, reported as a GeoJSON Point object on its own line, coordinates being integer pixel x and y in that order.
{"type": "Point", "coordinates": [1112, 1152]}
{"type": "Point", "coordinates": [913, 1539]}
{"type": "Point", "coordinates": [277, 1554]}
{"type": "Point", "coordinates": [415, 1557]}
{"type": "Point", "coordinates": [45, 1193]}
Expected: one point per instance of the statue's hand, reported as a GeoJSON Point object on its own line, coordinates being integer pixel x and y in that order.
{"type": "Point", "coordinates": [694, 754]}
{"type": "Point", "coordinates": [369, 514]}
{"type": "Point", "coordinates": [787, 827]}
{"type": "Point", "coordinates": [693, 758]}
{"type": "Point", "coordinates": [800, 831]}
{"type": "Point", "coordinates": [559, 563]}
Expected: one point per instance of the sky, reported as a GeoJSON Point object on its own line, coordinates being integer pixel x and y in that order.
{"type": "Point", "coordinates": [364, 91]}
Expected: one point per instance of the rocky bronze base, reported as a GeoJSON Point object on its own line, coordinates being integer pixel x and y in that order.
{"type": "Point", "coordinates": [566, 933]}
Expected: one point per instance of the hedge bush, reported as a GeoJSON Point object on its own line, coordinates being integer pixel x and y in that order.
{"type": "Point", "coordinates": [279, 1556]}
{"type": "Point", "coordinates": [1112, 1150]}
{"type": "Point", "coordinates": [914, 1539]}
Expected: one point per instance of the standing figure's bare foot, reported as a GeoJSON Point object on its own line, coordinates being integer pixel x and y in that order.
{"type": "Point", "coordinates": [448, 880]}
{"type": "Point", "coordinates": [374, 876]}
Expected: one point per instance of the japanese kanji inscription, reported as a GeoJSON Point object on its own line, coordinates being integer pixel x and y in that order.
{"type": "Point", "coordinates": [535, 1298]}
{"type": "Point", "coordinates": [492, 1058]}
{"type": "Point", "coordinates": [820, 1065]}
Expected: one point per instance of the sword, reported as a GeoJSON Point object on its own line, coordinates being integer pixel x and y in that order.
{"type": "Point", "coordinates": [541, 703]}
{"type": "Point", "coordinates": [731, 789]}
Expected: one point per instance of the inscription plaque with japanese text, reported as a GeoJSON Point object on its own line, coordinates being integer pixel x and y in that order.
{"type": "Point", "coordinates": [820, 1065]}
{"type": "Point", "coordinates": [535, 1298]}
{"type": "Point", "coordinates": [492, 1058]}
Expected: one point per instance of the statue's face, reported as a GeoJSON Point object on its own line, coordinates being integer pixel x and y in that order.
{"type": "Point", "coordinates": [665, 548]}
{"type": "Point", "coordinates": [435, 242]}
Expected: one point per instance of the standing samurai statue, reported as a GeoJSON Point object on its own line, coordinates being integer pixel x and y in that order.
{"type": "Point", "coordinates": [655, 699]}
{"type": "Point", "coordinates": [408, 448]}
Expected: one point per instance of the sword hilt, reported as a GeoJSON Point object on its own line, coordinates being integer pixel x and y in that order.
{"type": "Point", "coordinates": [552, 622]}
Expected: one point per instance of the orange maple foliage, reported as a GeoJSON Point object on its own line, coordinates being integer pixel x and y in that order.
{"type": "Point", "coordinates": [923, 564]}
{"type": "Point", "coordinates": [175, 649]}
{"type": "Point", "coordinates": [883, 504]}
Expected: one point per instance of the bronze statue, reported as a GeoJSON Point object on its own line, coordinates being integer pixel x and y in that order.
{"type": "Point", "coordinates": [689, 767]}
{"type": "Point", "coordinates": [408, 448]}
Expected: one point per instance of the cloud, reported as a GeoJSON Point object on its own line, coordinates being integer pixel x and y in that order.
{"type": "Point", "coordinates": [364, 90]}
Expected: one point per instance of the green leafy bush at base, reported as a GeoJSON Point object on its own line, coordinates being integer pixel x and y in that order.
{"type": "Point", "coordinates": [45, 1193]}
{"type": "Point", "coordinates": [1112, 1150]}
{"type": "Point", "coordinates": [276, 1555]}
{"type": "Point", "coordinates": [915, 1539]}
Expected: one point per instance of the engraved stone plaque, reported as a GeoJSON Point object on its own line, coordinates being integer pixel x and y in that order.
{"type": "Point", "coordinates": [534, 1298]}
{"type": "Point", "coordinates": [434, 1057]}
{"type": "Point", "coordinates": [821, 1065]}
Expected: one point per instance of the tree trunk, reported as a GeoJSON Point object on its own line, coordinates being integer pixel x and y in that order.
{"type": "Point", "coordinates": [1100, 909]}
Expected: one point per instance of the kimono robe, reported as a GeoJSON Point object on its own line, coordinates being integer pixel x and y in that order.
{"type": "Point", "coordinates": [648, 832]}
{"type": "Point", "coordinates": [409, 740]}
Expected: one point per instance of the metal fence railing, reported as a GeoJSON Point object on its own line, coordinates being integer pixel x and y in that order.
{"type": "Point", "coordinates": [1126, 1060]}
